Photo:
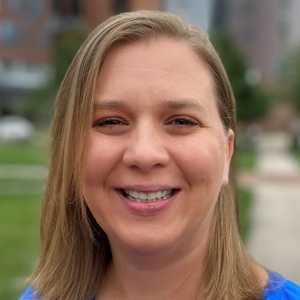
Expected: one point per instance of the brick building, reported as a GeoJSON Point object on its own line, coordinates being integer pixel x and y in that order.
{"type": "Point", "coordinates": [265, 30]}
{"type": "Point", "coordinates": [25, 40]}
{"type": "Point", "coordinates": [25, 30]}
{"type": "Point", "coordinates": [95, 12]}
{"type": "Point", "coordinates": [28, 30]}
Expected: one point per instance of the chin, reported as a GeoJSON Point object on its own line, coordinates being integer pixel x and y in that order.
{"type": "Point", "coordinates": [146, 242]}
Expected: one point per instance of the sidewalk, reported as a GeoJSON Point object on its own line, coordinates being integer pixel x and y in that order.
{"type": "Point", "coordinates": [274, 238]}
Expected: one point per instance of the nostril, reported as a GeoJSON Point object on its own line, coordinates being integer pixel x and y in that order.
{"type": "Point", "coordinates": [145, 157]}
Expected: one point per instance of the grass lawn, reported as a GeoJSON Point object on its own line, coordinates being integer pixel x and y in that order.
{"type": "Point", "coordinates": [22, 154]}
{"type": "Point", "coordinates": [244, 202]}
{"type": "Point", "coordinates": [33, 152]}
{"type": "Point", "coordinates": [20, 201]}
{"type": "Point", "coordinates": [244, 161]}
{"type": "Point", "coordinates": [19, 247]}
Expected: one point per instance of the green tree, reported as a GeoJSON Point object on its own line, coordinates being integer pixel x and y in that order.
{"type": "Point", "coordinates": [291, 79]}
{"type": "Point", "coordinates": [40, 103]}
{"type": "Point", "coordinates": [251, 101]}
{"type": "Point", "coordinates": [65, 49]}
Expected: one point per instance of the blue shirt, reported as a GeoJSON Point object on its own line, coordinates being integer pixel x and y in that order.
{"type": "Point", "coordinates": [278, 289]}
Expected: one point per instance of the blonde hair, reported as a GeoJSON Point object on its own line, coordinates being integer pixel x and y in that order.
{"type": "Point", "coordinates": [75, 251]}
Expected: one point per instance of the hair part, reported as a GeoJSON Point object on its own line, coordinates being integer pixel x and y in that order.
{"type": "Point", "coordinates": [75, 251]}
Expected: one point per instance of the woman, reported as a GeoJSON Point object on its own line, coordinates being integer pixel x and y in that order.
{"type": "Point", "coordinates": [137, 204]}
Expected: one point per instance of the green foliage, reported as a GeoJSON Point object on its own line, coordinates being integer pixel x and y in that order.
{"type": "Point", "coordinates": [64, 52]}
{"type": "Point", "coordinates": [245, 159]}
{"type": "Point", "coordinates": [251, 101]}
{"type": "Point", "coordinates": [296, 154]}
{"type": "Point", "coordinates": [40, 103]}
{"type": "Point", "coordinates": [291, 79]}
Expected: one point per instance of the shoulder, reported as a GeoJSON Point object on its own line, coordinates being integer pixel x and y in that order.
{"type": "Point", "coordinates": [29, 295]}
{"type": "Point", "coordinates": [281, 289]}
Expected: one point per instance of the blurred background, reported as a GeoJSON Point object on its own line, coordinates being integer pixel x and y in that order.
{"type": "Point", "coordinates": [259, 44]}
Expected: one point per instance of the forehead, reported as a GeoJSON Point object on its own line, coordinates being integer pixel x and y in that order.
{"type": "Point", "coordinates": [163, 53]}
{"type": "Point", "coordinates": [160, 67]}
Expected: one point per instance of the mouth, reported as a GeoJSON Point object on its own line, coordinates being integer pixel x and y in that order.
{"type": "Point", "coordinates": [144, 197]}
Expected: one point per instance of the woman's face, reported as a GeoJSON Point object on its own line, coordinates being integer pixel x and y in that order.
{"type": "Point", "coordinates": [157, 153]}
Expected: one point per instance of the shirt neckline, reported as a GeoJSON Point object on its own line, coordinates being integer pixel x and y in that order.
{"type": "Point", "coordinates": [275, 283]}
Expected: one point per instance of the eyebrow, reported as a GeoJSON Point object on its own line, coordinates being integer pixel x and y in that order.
{"type": "Point", "coordinates": [109, 104]}
{"type": "Point", "coordinates": [176, 104]}
{"type": "Point", "coordinates": [183, 103]}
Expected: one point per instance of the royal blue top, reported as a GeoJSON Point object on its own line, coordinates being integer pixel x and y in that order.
{"type": "Point", "coordinates": [278, 288]}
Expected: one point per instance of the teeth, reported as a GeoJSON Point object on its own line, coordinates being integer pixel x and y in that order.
{"type": "Point", "coordinates": [147, 197]}
{"type": "Point", "coordinates": [142, 196]}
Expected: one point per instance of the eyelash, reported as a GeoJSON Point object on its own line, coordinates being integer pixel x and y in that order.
{"type": "Point", "coordinates": [110, 122]}
{"type": "Point", "coordinates": [177, 121]}
{"type": "Point", "coordinates": [184, 122]}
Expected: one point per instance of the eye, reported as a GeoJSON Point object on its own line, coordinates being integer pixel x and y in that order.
{"type": "Point", "coordinates": [182, 122]}
{"type": "Point", "coordinates": [109, 122]}
{"type": "Point", "coordinates": [111, 125]}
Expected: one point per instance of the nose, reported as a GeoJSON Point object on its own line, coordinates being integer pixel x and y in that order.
{"type": "Point", "coordinates": [146, 149]}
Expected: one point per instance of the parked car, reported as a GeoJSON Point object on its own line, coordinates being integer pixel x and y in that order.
{"type": "Point", "coordinates": [15, 129]}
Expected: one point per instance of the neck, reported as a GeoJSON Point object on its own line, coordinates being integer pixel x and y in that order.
{"type": "Point", "coordinates": [163, 275]}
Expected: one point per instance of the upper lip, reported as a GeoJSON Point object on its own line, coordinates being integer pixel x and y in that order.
{"type": "Point", "coordinates": [147, 188]}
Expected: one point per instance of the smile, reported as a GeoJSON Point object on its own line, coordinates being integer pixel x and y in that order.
{"type": "Point", "coordinates": [147, 197]}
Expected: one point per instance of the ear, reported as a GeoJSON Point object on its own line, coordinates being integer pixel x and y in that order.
{"type": "Point", "coordinates": [229, 149]}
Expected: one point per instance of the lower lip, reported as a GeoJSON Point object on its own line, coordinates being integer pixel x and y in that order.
{"type": "Point", "coordinates": [147, 209]}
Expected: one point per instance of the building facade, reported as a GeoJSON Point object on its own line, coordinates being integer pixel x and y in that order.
{"type": "Point", "coordinates": [25, 40]}
{"type": "Point", "coordinates": [196, 12]}
{"type": "Point", "coordinates": [266, 31]}
{"type": "Point", "coordinates": [29, 29]}
{"type": "Point", "coordinates": [94, 12]}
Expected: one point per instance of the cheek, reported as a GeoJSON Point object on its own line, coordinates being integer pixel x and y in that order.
{"type": "Point", "coordinates": [203, 163]}
{"type": "Point", "coordinates": [100, 159]}
{"type": "Point", "coordinates": [95, 168]}
{"type": "Point", "coordinates": [98, 166]}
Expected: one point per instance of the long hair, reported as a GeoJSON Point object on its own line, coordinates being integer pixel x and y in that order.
{"type": "Point", "coordinates": [75, 251]}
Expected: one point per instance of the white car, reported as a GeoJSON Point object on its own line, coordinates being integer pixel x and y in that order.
{"type": "Point", "coordinates": [15, 128]}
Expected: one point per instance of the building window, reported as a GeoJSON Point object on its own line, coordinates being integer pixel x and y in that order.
{"type": "Point", "coordinates": [35, 8]}
{"type": "Point", "coordinates": [247, 35]}
{"type": "Point", "coordinates": [249, 9]}
{"type": "Point", "coordinates": [1, 33]}
{"type": "Point", "coordinates": [75, 8]}
{"type": "Point", "coordinates": [283, 30]}
{"type": "Point", "coordinates": [120, 6]}
{"type": "Point", "coordinates": [9, 32]}
{"type": "Point", "coordinates": [67, 8]}
{"type": "Point", "coordinates": [44, 39]}
{"type": "Point", "coordinates": [14, 6]}
{"type": "Point", "coordinates": [284, 4]}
